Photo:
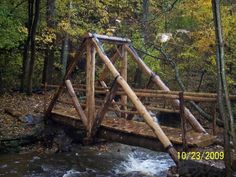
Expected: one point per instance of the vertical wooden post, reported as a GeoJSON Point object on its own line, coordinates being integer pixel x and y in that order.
{"type": "Point", "coordinates": [124, 66]}
{"type": "Point", "coordinates": [214, 119]}
{"type": "Point", "coordinates": [90, 78]}
{"type": "Point", "coordinates": [183, 120]}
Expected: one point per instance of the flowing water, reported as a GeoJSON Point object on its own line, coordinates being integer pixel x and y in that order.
{"type": "Point", "coordinates": [112, 159]}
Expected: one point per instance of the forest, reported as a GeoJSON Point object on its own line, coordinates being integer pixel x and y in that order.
{"type": "Point", "coordinates": [39, 38]}
{"type": "Point", "coordinates": [190, 45]}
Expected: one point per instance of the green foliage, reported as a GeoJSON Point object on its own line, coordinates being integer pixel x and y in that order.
{"type": "Point", "coordinates": [10, 68]}
{"type": "Point", "coordinates": [12, 31]}
{"type": "Point", "coordinates": [192, 52]}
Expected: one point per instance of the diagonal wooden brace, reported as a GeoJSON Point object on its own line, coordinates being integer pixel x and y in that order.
{"type": "Point", "coordinates": [103, 75]}
{"type": "Point", "coordinates": [157, 80]}
{"type": "Point", "coordinates": [68, 72]}
{"type": "Point", "coordinates": [113, 102]}
{"type": "Point", "coordinates": [76, 103]}
{"type": "Point", "coordinates": [135, 100]}
{"type": "Point", "coordinates": [108, 100]}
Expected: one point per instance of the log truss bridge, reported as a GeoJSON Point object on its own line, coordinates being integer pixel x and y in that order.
{"type": "Point", "coordinates": [92, 113]}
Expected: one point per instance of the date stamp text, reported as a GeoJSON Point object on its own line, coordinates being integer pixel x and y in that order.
{"type": "Point", "coordinates": [195, 155]}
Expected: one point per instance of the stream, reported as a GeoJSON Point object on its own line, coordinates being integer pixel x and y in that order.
{"type": "Point", "coordinates": [111, 159]}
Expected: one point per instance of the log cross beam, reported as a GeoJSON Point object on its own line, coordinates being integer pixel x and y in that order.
{"type": "Point", "coordinates": [138, 104]}
{"type": "Point", "coordinates": [108, 100]}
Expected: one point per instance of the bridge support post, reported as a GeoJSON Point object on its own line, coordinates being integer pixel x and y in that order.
{"type": "Point", "coordinates": [90, 86]}
{"type": "Point", "coordinates": [183, 121]}
{"type": "Point", "coordinates": [124, 66]}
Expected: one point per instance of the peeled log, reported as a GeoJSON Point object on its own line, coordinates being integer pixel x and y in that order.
{"type": "Point", "coordinates": [139, 106]}
{"type": "Point", "coordinates": [76, 103]}
{"type": "Point", "coordinates": [90, 87]}
{"type": "Point", "coordinates": [156, 79]}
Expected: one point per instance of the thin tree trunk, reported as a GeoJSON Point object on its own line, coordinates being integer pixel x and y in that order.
{"type": "Point", "coordinates": [201, 79]}
{"type": "Point", "coordinates": [64, 54]}
{"type": "Point", "coordinates": [45, 68]}
{"type": "Point", "coordinates": [49, 53]}
{"type": "Point", "coordinates": [222, 87]}
{"type": "Point", "coordinates": [65, 47]}
{"type": "Point", "coordinates": [145, 9]}
{"type": "Point", "coordinates": [26, 59]}
{"type": "Point", "coordinates": [32, 59]}
{"type": "Point", "coordinates": [1, 82]}
{"type": "Point", "coordinates": [145, 20]}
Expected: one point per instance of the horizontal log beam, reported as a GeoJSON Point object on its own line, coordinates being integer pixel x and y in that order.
{"type": "Point", "coordinates": [106, 38]}
{"type": "Point", "coordinates": [151, 108]}
{"type": "Point", "coordinates": [189, 96]}
{"type": "Point", "coordinates": [97, 107]}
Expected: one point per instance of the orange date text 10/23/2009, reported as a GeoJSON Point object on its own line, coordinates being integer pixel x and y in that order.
{"type": "Point", "coordinates": [201, 155]}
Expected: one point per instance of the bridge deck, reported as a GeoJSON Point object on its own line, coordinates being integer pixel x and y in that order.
{"type": "Point", "coordinates": [139, 129]}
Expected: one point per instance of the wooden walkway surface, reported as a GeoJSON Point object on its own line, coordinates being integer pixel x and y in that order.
{"type": "Point", "coordinates": [140, 129]}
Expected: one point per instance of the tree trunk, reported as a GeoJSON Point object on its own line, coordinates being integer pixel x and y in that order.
{"type": "Point", "coordinates": [65, 46]}
{"type": "Point", "coordinates": [26, 59]}
{"type": "Point", "coordinates": [64, 54]}
{"type": "Point", "coordinates": [222, 88]}
{"type": "Point", "coordinates": [1, 82]}
{"type": "Point", "coordinates": [32, 36]}
{"type": "Point", "coordinates": [49, 53]}
{"type": "Point", "coordinates": [145, 9]}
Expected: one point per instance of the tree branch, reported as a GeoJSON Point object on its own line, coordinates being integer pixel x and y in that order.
{"type": "Point", "coordinates": [17, 5]}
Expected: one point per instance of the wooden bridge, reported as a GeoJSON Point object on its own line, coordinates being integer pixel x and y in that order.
{"type": "Point", "coordinates": [102, 115]}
